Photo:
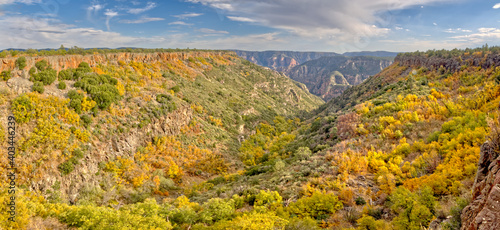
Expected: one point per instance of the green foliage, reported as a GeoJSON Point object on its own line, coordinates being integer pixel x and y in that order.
{"type": "Point", "coordinates": [91, 217]}
{"type": "Point", "coordinates": [68, 166]}
{"type": "Point", "coordinates": [303, 153]}
{"type": "Point", "coordinates": [61, 85]}
{"type": "Point", "coordinates": [216, 209]}
{"type": "Point", "coordinates": [22, 108]}
{"type": "Point", "coordinates": [318, 206]}
{"type": "Point", "coordinates": [87, 120]}
{"type": "Point", "coordinates": [302, 224]}
{"type": "Point", "coordinates": [47, 76]}
{"type": "Point", "coordinates": [66, 74]}
{"type": "Point", "coordinates": [6, 75]}
{"type": "Point", "coordinates": [38, 87]}
{"type": "Point", "coordinates": [360, 201]}
{"type": "Point", "coordinates": [101, 88]}
{"type": "Point", "coordinates": [163, 98]}
{"type": "Point", "coordinates": [176, 89]}
{"type": "Point", "coordinates": [21, 62]}
{"type": "Point", "coordinates": [369, 223]}
{"type": "Point", "coordinates": [414, 209]}
{"type": "Point", "coordinates": [42, 65]}
{"type": "Point", "coordinates": [267, 200]}
{"type": "Point", "coordinates": [456, 211]}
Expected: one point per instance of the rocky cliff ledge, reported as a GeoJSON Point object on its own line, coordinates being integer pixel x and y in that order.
{"type": "Point", "coordinates": [451, 64]}
{"type": "Point", "coordinates": [60, 62]}
{"type": "Point", "coordinates": [484, 210]}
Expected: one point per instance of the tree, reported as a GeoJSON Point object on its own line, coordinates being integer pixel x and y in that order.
{"type": "Point", "coordinates": [21, 62]}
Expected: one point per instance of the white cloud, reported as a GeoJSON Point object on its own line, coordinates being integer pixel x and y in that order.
{"type": "Point", "coordinates": [93, 10]}
{"type": "Point", "coordinates": [28, 2]}
{"type": "Point", "coordinates": [340, 19]}
{"type": "Point", "coordinates": [180, 23]}
{"type": "Point", "coordinates": [398, 28]}
{"type": "Point", "coordinates": [457, 30]}
{"type": "Point", "coordinates": [43, 33]}
{"type": "Point", "coordinates": [141, 20]}
{"type": "Point", "coordinates": [434, 24]}
{"type": "Point", "coordinates": [496, 6]}
{"type": "Point", "coordinates": [241, 19]}
{"type": "Point", "coordinates": [211, 31]}
{"type": "Point", "coordinates": [149, 6]}
{"type": "Point", "coordinates": [483, 35]}
{"type": "Point", "coordinates": [109, 15]}
{"type": "Point", "coordinates": [187, 15]}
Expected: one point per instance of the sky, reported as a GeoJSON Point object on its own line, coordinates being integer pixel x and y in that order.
{"type": "Point", "coordinates": [298, 25]}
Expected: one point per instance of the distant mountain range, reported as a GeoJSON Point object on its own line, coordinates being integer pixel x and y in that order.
{"type": "Point", "coordinates": [326, 74]}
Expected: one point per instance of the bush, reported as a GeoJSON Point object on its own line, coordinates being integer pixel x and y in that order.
{"type": "Point", "coordinates": [66, 74]}
{"type": "Point", "coordinates": [87, 120]}
{"type": "Point", "coordinates": [42, 65]}
{"type": "Point", "coordinates": [303, 153]}
{"type": "Point", "coordinates": [101, 89]}
{"type": "Point", "coordinates": [176, 89]}
{"type": "Point", "coordinates": [360, 201]}
{"type": "Point", "coordinates": [216, 209]}
{"type": "Point", "coordinates": [61, 85]}
{"type": "Point", "coordinates": [38, 87]}
{"type": "Point", "coordinates": [317, 206]}
{"type": "Point", "coordinates": [21, 62]}
{"type": "Point", "coordinates": [32, 71]}
{"type": "Point", "coordinates": [47, 76]}
{"type": "Point", "coordinates": [6, 75]}
{"type": "Point", "coordinates": [163, 98]}
{"type": "Point", "coordinates": [66, 167]}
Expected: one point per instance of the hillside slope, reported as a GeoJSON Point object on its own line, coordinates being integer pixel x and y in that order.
{"type": "Point", "coordinates": [328, 77]}
{"type": "Point", "coordinates": [113, 129]}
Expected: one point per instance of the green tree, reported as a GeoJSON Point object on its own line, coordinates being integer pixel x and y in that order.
{"type": "Point", "coordinates": [21, 62]}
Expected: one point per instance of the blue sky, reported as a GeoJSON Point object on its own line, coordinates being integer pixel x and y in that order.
{"type": "Point", "coordinates": [301, 25]}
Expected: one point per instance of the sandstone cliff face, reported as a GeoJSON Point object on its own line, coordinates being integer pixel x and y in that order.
{"type": "Point", "coordinates": [484, 210]}
{"type": "Point", "coordinates": [60, 62]}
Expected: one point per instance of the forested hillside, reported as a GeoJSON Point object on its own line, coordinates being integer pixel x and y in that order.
{"type": "Point", "coordinates": [207, 140]}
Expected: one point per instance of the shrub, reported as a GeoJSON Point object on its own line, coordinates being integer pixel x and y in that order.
{"type": "Point", "coordinates": [303, 153]}
{"type": "Point", "coordinates": [216, 209]}
{"type": "Point", "coordinates": [163, 98]}
{"type": "Point", "coordinates": [21, 62]}
{"type": "Point", "coordinates": [42, 65]}
{"type": "Point", "coordinates": [21, 108]}
{"type": "Point", "coordinates": [38, 87]}
{"type": "Point", "coordinates": [66, 167]}
{"type": "Point", "coordinates": [87, 120]}
{"type": "Point", "coordinates": [32, 71]}
{"type": "Point", "coordinates": [317, 206]}
{"type": "Point", "coordinates": [66, 74]}
{"type": "Point", "coordinates": [47, 76]}
{"type": "Point", "coordinates": [176, 89]}
{"type": "Point", "coordinates": [360, 201]}
{"type": "Point", "coordinates": [61, 85]}
{"type": "Point", "coordinates": [6, 75]}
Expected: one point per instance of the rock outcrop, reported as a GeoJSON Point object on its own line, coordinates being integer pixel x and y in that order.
{"type": "Point", "coordinates": [451, 64]}
{"type": "Point", "coordinates": [59, 62]}
{"type": "Point", "coordinates": [484, 210]}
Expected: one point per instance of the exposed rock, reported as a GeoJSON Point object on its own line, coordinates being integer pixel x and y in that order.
{"type": "Point", "coordinates": [19, 85]}
{"type": "Point", "coordinates": [328, 77]}
{"type": "Point", "coordinates": [484, 210]}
